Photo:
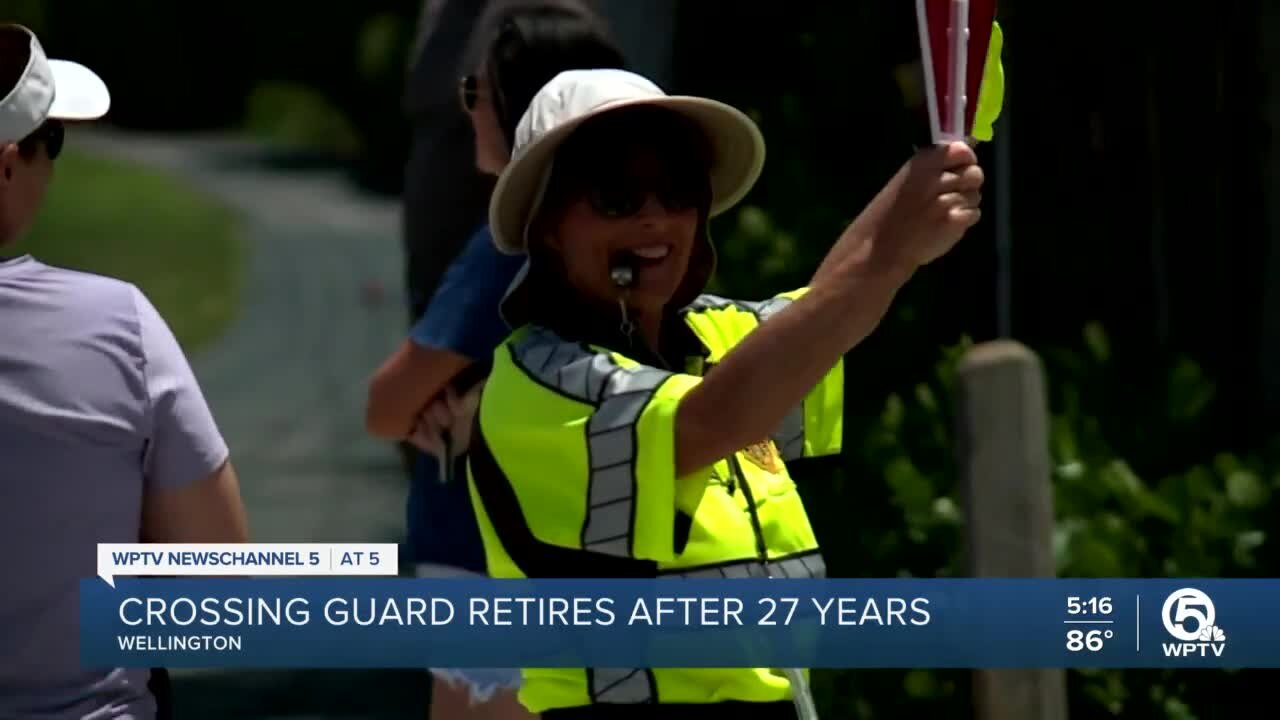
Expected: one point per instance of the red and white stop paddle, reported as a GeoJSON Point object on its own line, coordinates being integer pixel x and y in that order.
{"type": "Point", "coordinates": [954, 38]}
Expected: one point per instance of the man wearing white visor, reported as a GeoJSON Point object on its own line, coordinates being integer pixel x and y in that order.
{"type": "Point", "coordinates": [42, 94]}
{"type": "Point", "coordinates": [105, 436]}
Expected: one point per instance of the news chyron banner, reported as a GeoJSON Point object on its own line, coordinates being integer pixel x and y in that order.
{"type": "Point", "coordinates": [324, 606]}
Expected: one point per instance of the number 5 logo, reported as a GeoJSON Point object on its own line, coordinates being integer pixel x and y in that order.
{"type": "Point", "coordinates": [1183, 605]}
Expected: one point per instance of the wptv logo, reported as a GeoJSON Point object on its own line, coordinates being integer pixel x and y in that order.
{"type": "Point", "coordinates": [1189, 616]}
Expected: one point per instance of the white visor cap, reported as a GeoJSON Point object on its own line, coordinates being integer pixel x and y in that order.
{"type": "Point", "coordinates": [49, 90]}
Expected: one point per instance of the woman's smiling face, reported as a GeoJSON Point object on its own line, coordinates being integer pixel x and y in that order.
{"type": "Point", "coordinates": [629, 189]}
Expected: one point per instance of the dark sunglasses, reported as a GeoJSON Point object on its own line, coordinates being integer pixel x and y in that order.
{"type": "Point", "coordinates": [51, 134]}
{"type": "Point", "coordinates": [620, 198]}
{"type": "Point", "coordinates": [468, 92]}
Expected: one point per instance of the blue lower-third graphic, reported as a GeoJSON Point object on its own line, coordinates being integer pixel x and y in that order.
{"type": "Point", "coordinates": [953, 623]}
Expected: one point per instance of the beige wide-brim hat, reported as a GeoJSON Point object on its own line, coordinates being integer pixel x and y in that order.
{"type": "Point", "coordinates": [576, 96]}
{"type": "Point", "coordinates": [49, 90]}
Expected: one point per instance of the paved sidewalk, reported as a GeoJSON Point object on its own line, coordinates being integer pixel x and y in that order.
{"type": "Point", "coordinates": [287, 385]}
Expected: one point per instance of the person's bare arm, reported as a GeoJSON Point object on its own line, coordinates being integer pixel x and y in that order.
{"type": "Point", "coordinates": [918, 218]}
{"type": "Point", "coordinates": [208, 510]}
{"type": "Point", "coordinates": [190, 493]}
{"type": "Point", "coordinates": [718, 417]}
{"type": "Point", "coordinates": [405, 384]}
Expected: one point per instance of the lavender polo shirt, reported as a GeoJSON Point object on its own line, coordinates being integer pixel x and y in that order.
{"type": "Point", "coordinates": [97, 404]}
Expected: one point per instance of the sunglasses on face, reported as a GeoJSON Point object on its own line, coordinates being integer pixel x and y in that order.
{"type": "Point", "coordinates": [618, 197]}
{"type": "Point", "coordinates": [468, 92]}
{"type": "Point", "coordinates": [51, 134]}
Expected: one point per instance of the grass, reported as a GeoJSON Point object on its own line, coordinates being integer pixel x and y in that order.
{"type": "Point", "coordinates": [177, 244]}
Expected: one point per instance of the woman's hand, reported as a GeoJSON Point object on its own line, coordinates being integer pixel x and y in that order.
{"type": "Point", "coordinates": [432, 422]}
{"type": "Point", "coordinates": [937, 199]}
{"type": "Point", "coordinates": [409, 380]}
{"type": "Point", "coordinates": [917, 217]}
{"type": "Point", "coordinates": [447, 412]}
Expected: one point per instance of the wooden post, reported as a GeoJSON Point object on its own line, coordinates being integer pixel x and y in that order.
{"type": "Point", "coordinates": [1003, 434]}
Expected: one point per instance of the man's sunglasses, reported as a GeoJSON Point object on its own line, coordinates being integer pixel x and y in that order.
{"type": "Point", "coordinates": [51, 134]}
{"type": "Point", "coordinates": [468, 92]}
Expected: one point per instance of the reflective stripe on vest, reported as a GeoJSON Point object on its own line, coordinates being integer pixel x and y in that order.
{"type": "Point", "coordinates": [536, 559]}
{"type": "Point", "coordinates": [619, 395]}
{"type": "Point", "coordinates": [637, 685]}
{"type": "Point", "coordinates": [789, 437]}
{"type": "Point", "coordinates": [806, 565]}
{"type": "Point", "coordinates": [620, 686]}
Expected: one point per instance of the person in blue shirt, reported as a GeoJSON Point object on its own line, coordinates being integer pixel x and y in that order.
{"type": "Point", "coordinates": [431, 383]}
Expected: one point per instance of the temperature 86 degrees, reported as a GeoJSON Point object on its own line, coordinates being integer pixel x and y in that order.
{"type": "Point", "coordinates": [1090, 640]}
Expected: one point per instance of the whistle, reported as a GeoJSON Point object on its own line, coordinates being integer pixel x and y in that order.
{"type": "Point", "coordinates": [622, 275]}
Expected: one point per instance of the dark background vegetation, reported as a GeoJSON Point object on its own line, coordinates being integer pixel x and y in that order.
{"type": "Point", "coordinates": [1144, 230]}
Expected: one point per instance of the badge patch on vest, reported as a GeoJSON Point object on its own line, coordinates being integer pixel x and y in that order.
{"type": "Point", "coordinates": [764, 455]}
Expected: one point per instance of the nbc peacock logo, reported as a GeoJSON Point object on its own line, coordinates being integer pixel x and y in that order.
{"type": "Point", "coordinates": [1189, 616]}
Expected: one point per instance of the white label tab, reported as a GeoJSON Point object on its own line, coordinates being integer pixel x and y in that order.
{"type": "Point", "coordinates": [245, 559]}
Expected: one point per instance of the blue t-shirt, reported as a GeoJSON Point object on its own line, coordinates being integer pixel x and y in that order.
{"type": "Point", "coordinates": [462, 317]}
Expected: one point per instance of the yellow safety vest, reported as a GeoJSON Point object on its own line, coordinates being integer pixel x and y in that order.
{"type": "Point", "coordinates": [572, 475]}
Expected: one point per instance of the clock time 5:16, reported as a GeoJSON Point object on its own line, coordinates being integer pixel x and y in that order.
{"type": "Point", "coordinates": [1088, 606]}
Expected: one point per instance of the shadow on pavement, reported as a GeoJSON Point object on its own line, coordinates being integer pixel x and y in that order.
{"type": "Point", "coordinates": [301, 695]}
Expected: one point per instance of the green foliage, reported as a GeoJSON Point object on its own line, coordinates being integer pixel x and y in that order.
{"type": "Point", "coordinates": [903, 517]}
{"type": "Point", "coordinates": [299, 117]}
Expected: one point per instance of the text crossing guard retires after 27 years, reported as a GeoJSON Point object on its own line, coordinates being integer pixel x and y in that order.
{"type": "Point", "coordinates": [523, 611]}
